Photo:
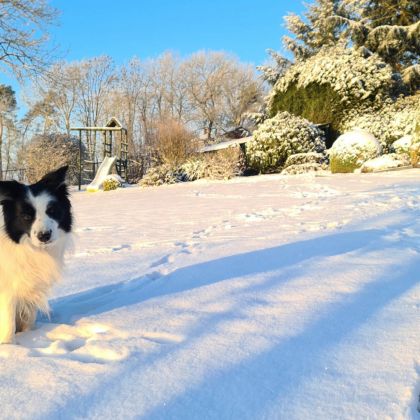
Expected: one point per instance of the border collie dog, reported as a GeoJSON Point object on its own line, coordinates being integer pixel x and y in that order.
{"type": "Point", "coordinates": [35, 230]}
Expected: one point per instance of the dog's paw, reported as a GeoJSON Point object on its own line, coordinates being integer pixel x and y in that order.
{"type": "Point", "coordinates": [8, 339]}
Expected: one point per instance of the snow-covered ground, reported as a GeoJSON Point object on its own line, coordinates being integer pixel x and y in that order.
{"type": "Point", "coordinates": [267, 297]}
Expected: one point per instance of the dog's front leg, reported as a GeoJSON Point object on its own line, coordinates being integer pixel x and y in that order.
{"type": "Point", "coordinates": [7, 318]}
{"type": "Point", "coordinates": [25, 317]}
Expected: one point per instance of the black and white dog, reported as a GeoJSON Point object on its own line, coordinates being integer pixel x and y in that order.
{"type": "Point", "coordinates": [35, 231]}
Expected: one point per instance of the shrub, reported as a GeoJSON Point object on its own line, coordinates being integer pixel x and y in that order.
{"type": "Point", "coordinates": [222, 164]}
{"type": "Point", "coordinates": [327, 84]}
{"type": "Point", "coordinates": [280, 137]}
{"type": "Point", "coordinates": [111, 183]}
{"type": "Point", "coordinates": [303, 168]}
{"type": "Point", "coordinates": [48, 152]}
{"type": "Point", "coordinates": [388, 121]}
{"type": "Point", "coordinates": [173, 142]}
{"type": "Point", "coordinates": [351, 150]}
{"type": "Point", "coordinates": [402, 145]}
{"type": "Point", "coordinates": [162, 174]}
{"type": "Point", "coordinates": [196, 167]}
{"type": "Point", "coordinates": [415, 147]}
{"type": "Point", "coordinates": [303, 158]}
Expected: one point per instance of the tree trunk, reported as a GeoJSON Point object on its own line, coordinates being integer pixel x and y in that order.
{"type": "Point", "coordinates": [1, 148]}
{"type": "Point", "coordinates": [209, 130]}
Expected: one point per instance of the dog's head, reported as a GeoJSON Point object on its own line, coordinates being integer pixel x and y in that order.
{"type": "Point", "coordinates": [40, 212]}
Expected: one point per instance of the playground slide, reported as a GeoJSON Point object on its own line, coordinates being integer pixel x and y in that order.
{"type": "Point", "coordinates": [102, 173]}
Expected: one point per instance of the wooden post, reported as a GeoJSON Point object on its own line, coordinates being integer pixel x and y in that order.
{"type": "Point", "coordinates": [104, 144]}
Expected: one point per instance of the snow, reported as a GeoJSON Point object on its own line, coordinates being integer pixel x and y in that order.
{"type": "Point", "coordinates": [384, 162]}
{"type": "Point", "coordinates": [102, 173]}
{"type": "Point", "coordinates": [353, 148]}
{"type": "Point", "coordinates": [292, 297]}
{"type": "Point", "coordinates": [403, 144]}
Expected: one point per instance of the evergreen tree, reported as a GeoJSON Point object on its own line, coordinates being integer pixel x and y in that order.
{"type": "Point", "coordinates": [315, 29]}
{"type": "Point", "coordinates": [390, 28]}
{"type": "Point", "coordinates": [273, 71]}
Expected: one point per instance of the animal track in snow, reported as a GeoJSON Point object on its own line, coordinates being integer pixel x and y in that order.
{"type": "Point", "coordinates": [164, 260]}
{"type": "Point", "coordinates": [184, 248]}
{"type": "Point", "coordinates": [108, 250]}
{"type": "Point", "coordinates": [203, 233]}
{"type": "Point", "coordinates": [162, 337]}
{"type": "Point", "coordinates": [93, 229]}
{"type": "Point", "coordinates": [84, 342]}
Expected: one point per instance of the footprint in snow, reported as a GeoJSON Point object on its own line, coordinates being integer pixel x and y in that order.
{"type": "Point", "coordinates": [164, 260]}
{"type": "Point", "coordinates": [162, 337]}
{"type": "Point", "coordinates": [84, 342]}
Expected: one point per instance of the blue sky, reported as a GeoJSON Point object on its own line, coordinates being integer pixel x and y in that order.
{"type": "Point", "coordinates": [126, 28]}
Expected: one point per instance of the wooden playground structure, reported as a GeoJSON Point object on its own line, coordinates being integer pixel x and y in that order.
{"type": "Point", "coordinates": [114, 143]}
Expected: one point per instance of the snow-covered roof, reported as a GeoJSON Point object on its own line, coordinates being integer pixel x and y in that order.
{"type": "Point", "coordinates": [225, 144]}
{"type": "Point", "coordinates": [114, 122]}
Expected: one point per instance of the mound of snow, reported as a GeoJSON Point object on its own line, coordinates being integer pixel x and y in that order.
{"type": "Point", "coordinates": [352, 149]}
{"type": "Point", "coordinates": [402, 145]}
{"type": "Point", "coordinates": [384, 162]}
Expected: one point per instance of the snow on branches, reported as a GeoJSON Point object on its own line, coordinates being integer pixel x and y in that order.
{"type": "Point", "coordinates": [280, 137]}
{"type": "Point", "coordinates": [345, 70]}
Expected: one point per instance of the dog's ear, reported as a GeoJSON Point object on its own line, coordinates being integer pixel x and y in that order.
{"type": "Point", "coordinates": [9, 190]}
{"type": "Point", "coordinates": [56, 178]}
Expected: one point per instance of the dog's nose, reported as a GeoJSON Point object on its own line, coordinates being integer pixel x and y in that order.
{"type": "Point", "coordinates": [44, 236]}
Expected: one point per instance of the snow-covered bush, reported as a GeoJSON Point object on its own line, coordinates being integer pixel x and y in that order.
{"type": "Point", "coordinates": [352, 149]}
{"type": "Point", "coordinates": [225, 164]}
{"type": "Point", "coordinates": [303, 158]}
{"type": "Point", "coordinates": [402, 145]}
{"type": "Point", "coordinates": [387, 121]}
{"type": "Point", "coordinates": [280, 137]}
{"type": "Point", "coordinates": [384, 162]}
{"type": "Point", "coordinates": [334, 80]}
{"type": "Point", "coordinates": [303, 168]}
{"type": "Point", "coordinates": [415, 146]}
{"type": "Point", "coordinates": [415, 155]}
{"type": "Point", "coordinates": [222, 164]}
{"type": "Point", "coordinates": [111, 182]}
{"type": "Point", "coordinates": [48, 152]}
{"type": "Point", "coordinates": [195, 168]}
{"type": "Point", "coordinates": [162, 174]}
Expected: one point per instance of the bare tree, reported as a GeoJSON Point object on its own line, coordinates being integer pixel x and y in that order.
{"type": "Point", "coordinates": [60, 88]}
{"type": "Point", "coordinates": [169, 87]}
{"type": "Point", "coordinates": [128, 96]}
{"type": "Point", "coordinates": [41, 117]}
{"type": "Point", "coordinates": [96, 81]}
{"type": "Point", "coordinates": [220, 89]}
{"type": "Point", "coordinates": [7, 105]}
{"type": "Point", "coordinates": [97, 76]}
{"type": "Point", "coordinates": [23, 35]}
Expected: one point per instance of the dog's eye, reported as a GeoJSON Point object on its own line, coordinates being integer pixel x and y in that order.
{"type": "Point", "coordinates": [27, 217]}
{"type": "Point", "coordinates": [52, 210]}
